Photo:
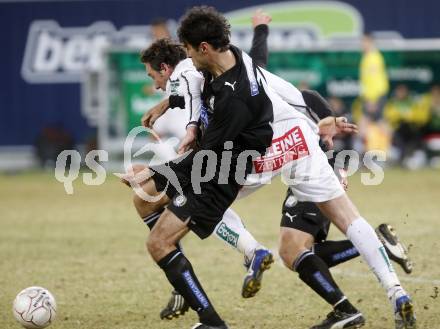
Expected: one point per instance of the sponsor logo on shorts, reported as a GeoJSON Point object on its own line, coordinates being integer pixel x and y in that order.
{"type": "Point", "coordinates": [228, 235]}
{"type": "Point", "coordinates": [287, 148]}
{"type": "Point", "coordinates": [179, 200]}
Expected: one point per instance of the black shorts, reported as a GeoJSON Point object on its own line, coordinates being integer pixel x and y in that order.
{"type": "Point", "coordinates": [204, 209]}
{"type": "Point", "coordinates": [305, 217]}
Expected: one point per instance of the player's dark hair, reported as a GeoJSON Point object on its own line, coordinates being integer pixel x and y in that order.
{"type": "Point", "coordinates": [163, 51]}
{"type": "Point", "coordinates": [205, 24]}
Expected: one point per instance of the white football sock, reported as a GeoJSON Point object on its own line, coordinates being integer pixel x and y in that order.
{"type": "Point", "coordinates": [232, 231]}
{"type": "Point", "coordinates": [363, 237]}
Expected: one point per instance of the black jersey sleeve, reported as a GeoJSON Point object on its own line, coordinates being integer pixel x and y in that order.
{"type": "Point", "coordinates": [317, 103]}
{"type": "Point", "coordinates": [259, 51]}
{"type": "Point", "coordinates": [228, 121]}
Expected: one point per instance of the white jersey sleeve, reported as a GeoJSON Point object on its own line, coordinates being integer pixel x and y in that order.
{"type": "Point", "coordinates": [187, 82]}
{"type": "Point", "coordinates": [290, 94]}
{"type": "Point", "coordinates": [287, 91]}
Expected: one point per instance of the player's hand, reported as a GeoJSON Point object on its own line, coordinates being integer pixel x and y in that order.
{"type": "Point", "coordinates": [150, 117]}
{"type": "Point", "coordinates": [188, 142]}
{"type": "Point", "coordinates": [137, 174]}
{"type": "Point", "coordinates": [330, 127]}
{"type": "Point", "coordinates": [260, 18]}
{"type": "Point", "coordinates": [343, 178]}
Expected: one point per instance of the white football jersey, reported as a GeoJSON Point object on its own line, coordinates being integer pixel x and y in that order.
{"type": "Point", "coordinates": [186, 81]}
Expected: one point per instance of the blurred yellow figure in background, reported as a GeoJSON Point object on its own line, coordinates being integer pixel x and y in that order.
{"type": "Point", "coordinates": [374, 89]}
{"type": "Point", "coordinates": [374, 78]}
{"type": "Point", "coordinates": [402, 108]}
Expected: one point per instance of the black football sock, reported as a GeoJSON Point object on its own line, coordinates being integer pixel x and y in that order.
{"type": "Point", "coordinates": [314, 272]}
{"type": "Point", "coordinates": [181, 275]}
{"type": "Point", "coordinates": [335, 252]}
{"type": "Point", "coordinates": [345, 306]}
{"type": "Point", "coordinates": [152, 219]}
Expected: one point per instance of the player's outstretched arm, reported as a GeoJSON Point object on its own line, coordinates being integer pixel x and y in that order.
{"type": "Point", "coordinates": [259, 50]}
{"type": "Point", "coordinates": [317, 103]}
{"type": "Point", "coordinates": [150, 117]}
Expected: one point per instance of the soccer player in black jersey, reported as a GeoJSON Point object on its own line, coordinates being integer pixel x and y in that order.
{"type": "Point", "coordinates": [236, 116]}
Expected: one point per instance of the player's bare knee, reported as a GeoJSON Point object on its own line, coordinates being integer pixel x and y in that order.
{"type": "Point", "coordinates": [155, 244]}
{"type": "Point", "coordinates": [286, 256]}
{"type": "Point", "coordinates": [145, 207]}
{"type": "Point", "coordinates": [292, 244]}
{"type": "Point", "coordinates": [290, 252]}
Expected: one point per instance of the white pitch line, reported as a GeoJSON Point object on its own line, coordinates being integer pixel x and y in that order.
{"type": "Point", "coordinates": [411, 279]}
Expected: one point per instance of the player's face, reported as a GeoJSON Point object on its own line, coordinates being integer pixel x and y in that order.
{"type": "Point", "coordinates": [196, 56]}
{"type": "Point", "coordinates": [160, 78]}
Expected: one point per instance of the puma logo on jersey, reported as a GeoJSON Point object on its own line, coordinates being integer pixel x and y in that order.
{"type": "Point", "coordinates": [232, 85]}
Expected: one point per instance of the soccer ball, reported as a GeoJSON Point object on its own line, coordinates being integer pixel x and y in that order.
{"type": "Point", "coordinates": [35, 307]}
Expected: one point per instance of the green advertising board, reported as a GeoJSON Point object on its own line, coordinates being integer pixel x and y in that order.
{"type": "Point", "coordinates": [132, 91]}
{"type": "Point", "coordinates": [333, 73]}
{"type": "Point", "coordinates": [336, 73]}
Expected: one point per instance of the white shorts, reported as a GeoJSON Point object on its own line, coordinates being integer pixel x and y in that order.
{"type": "Point", "coordinates": [172, 123]}
{"type": "Point", "coordinates": [296, 155]}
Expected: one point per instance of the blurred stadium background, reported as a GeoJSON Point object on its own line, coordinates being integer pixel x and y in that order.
{"type": "Point", "coordinates": [71, 79]}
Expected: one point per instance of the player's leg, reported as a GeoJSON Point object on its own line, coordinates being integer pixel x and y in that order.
{"type": "Point", "coordinates": [150, 213]}
{"type": "Point", "coordinates": [161, 243]}
{"type": "Point", "coordinates": [331, 252]}
{"type": "Point", "coordinates": [232, 231]}
{"type": "Point", "coordinates": [312, 179]}
{"type": "Point", "coordinates": [342, 212]}
{"type": "Point", "coordinates": [301, 226]}
{"type": "Point", "coordinates": [138, 179]}
{"type": "Point", "coordinates": [257, 258]}
{"type": "Point", "coordinates": [337, 252]}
